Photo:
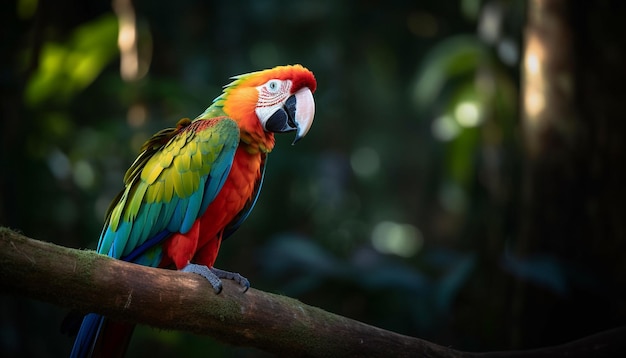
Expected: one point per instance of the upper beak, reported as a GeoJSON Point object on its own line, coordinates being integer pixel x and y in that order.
{"type": "Point", "coordinates": [304, 112]}
{"type": "Point", "coordinates": [295, 115]}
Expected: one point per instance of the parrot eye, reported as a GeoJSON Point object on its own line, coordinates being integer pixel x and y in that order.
{"type": "Point", "coordinates": [273, 92]}
{"type": "Point", "coordinates": [273, 86]}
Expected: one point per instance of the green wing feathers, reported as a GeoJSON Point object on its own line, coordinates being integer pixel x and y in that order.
{"type": "Point", "coordinates": [170, 184]}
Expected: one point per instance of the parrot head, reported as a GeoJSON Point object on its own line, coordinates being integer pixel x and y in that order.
{"type": "Point", "coordinates": [276, 100]}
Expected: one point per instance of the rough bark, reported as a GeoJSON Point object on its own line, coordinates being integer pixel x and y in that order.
{"type": "Point", "coordinates": [88, 282]}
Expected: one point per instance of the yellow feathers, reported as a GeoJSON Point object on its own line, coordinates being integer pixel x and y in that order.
{"type": "Point", "coordinates": [172, 165]}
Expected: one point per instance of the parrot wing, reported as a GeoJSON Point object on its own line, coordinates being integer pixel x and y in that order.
{"type": "Point", "coordinates": [171, 183]}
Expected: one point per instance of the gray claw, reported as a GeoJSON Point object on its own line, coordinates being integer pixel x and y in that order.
{"type": "Point", "coordinates": [213, 275]}
{"type": "Point", "coordinates": [242, 281]}
{"type": "Point", "coordinates": [207, 273]}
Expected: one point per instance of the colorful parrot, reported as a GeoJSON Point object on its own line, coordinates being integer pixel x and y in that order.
{"type": "Point", "coordinates": [192, 186]}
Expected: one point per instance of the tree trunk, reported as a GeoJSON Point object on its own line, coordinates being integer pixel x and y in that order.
{"type": "Point", "coordinates": [574, 200]}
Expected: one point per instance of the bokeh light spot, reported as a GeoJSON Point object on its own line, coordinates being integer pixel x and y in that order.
{"type": "Point", "coordinates": [399, 239]}
{"type": "Point", "coordinates": [59, 164]}
{"type": "Point", "coordinates": [84, 175]}
{"type": "Point", "coordinates": [445, 128]}
{"type": "Point", "coordinates": [137, 115]}
{"type": "Point", "coordinates": [365, 161]}
{"type": "Point", "coordinates": [467, 114]}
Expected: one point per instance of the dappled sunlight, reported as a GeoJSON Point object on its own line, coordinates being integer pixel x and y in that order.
{"type": "Point", "coordinates": [404, 240]}
{"type": "Point", "coordinates": [83, 67]}
{"type": "Point", "coordinates": [133, 64]}
{"type": "Point", "coordinates": [534, 80]}
{"type": "Point", "coordinates": [467, 114]}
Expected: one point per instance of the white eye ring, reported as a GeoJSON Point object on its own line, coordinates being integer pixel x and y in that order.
{"type": "Point", "coordinates": [273, 86]}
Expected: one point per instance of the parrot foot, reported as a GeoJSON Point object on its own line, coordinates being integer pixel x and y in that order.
{"type": "Point", "coordinates": [214, 276]}
{"type": "Point", "coordinates": [242, 281]}
{"type": "Point", "coordinates": [206, 273]}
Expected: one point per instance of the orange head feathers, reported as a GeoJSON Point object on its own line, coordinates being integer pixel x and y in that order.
{"type": "Point", "coordinates": [271, 101]}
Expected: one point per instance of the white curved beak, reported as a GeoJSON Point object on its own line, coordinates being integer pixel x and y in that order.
{"type": "Point", "coordinates": [305, 111]}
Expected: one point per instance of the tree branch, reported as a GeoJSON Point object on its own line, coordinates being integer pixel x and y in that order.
{"type": "Point", "coordinates": [89, 282]}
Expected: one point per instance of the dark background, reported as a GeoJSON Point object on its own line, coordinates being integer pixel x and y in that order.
{"type": "Point", "coordinates": [407, 206]}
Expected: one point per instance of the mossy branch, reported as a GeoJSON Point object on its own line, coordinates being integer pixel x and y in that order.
{"type": "Point", "coordinates": [89, 282]}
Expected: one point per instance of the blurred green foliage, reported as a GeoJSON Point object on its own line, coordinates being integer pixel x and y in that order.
{"type": "Point", "coordinates": [66, 69]}
{"type": "Point", "coordinates": [396, 208]}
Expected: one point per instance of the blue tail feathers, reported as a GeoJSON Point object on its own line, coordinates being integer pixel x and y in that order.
{"type": "Point", "coordinates": [83, 345]}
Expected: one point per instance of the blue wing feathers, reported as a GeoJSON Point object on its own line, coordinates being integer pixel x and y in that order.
{"type": "Point", "coordinates": [176, 222]}
{"type": "Point", "coordinates": [143, 248]}
{"type": "Point", "coordinates": [216, 180]}
{"type": "Point", "coordinates": [209, 194]}
{"type": "Point", "coordinates": [156, 212]}
{"type": "Point", "coordinates": [168, 211]}
{"type": "Point", "coordinates": [106, 238]}
{"type": "Point", "coordinates": [144, 226]}
{"type": "Point", "coordinates": [193, 210]}
{"type": "Point", "coordinates": [120, 239]}
{"type": "Point", "coordinates": [136, 229]}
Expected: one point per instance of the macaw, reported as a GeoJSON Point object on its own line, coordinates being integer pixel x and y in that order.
{"type": "Point", "coordinates": [192, 186]}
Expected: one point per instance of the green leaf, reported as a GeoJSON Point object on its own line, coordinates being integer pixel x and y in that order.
{"type": "Point", "coordinates": [67, 68]}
